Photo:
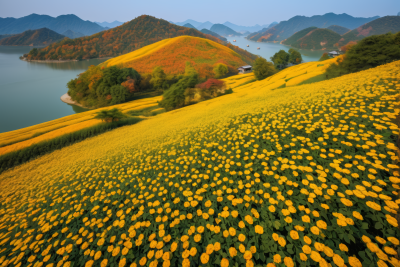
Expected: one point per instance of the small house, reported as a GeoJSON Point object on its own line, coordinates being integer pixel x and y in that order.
{"type": "Point", "coordinates": [245, 69]}
{"type": "Point", "coordinates": [333, 54]}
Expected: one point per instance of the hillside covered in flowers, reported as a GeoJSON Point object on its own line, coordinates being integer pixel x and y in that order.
{"type": "Point", "coordinates": [304, 175]}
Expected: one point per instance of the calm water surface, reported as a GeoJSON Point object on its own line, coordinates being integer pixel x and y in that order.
{"type": "Point", "coordinates": [267, 50]}
{"type": "Point", "coordinates": [30, 92]}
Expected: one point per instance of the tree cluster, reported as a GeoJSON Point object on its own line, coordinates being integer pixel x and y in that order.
{"type": "Point", "coordinates": [263, 69]}
{"type": "Point", "coordinates": [100, 86]}
{"type": "Point", "coordinates": [282, 58]}
{"type": "Point", "coordinates": [368, 53]}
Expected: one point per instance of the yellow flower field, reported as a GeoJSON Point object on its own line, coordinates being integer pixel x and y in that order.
{"type": "Point", "coordinates": [301, 176]}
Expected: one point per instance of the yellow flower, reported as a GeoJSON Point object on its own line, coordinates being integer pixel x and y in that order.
{"type": "Point", "coordinates": [259, 229]}
{"type": "Point", "coordinates": [248, 219]}
{"type": "Point", "coordinates": [281, 241]}
{"type": "Point", "coordinates": [232, 231]}
{"type": "Point", "coordinates": [97, 255]}
{"type": "Point", "coordinates": [174, 246]}
{"type": "Point", "coordinates": [241, 237]}
{"type": "Point", "coordinates": [217, 246]}
{"type": "Point", "coordinates": [224, 262]}
{"type": "Point", "coordinates": [104, 263]}
{"type": "Point", "coordinates": [271, 208]}
{"type": "Point", "coordinates": [307, 240]}
{"type": "Point", "coordinates": [288, 262]}
{"type": "Point", "coordinates": [306, 249]}
{"type": "Point", "coordinates": [193, 251]}
{"type": "Point", "coordinates": [328, 251]}
{"type": "Point", "coordinates": [305, 218]}
{"type": "Point", "coordinates": [319, 246]}
{"type": "Point", "coordinates": [275, 236]}
{"type": "Point", "coordinates": [294, 235]}
{"type": "Point", "coordinates": [277, 258]}
{"type": "Point", "coordinates": [209, 249]}
{"type": "Point", "coordinates": [390, 250]}
{"type": "Point", "coordinates": [241, 224]}
{"type": "Point", "coordinates": [204, 258]}
{"type": "Point", "coordinates": [122, 262]}
{"type": "Point", "coordinates": [253, 249]}
{"type": "Point", "coordinates": [393, 240]}
{"type": "Point", "coordinates": [343, 247]}
{"type": "Point", "coordinates": [338, 260]}
{"type": "Point", "coordinates": [185, 253]}
{"type": "Point", "coordinates": [232, 251]}
{"type": "Point", "coordinates": [354, 262]}
{"type": "Point", "coordinates": [185, 263]}
{"type": "Point", "coordinates": [315, 230]}
{"type": "Point", "coordinates": [321, 224]}
{"type": "Point", "coordinates": [315, 256]}
{"type": "Point", "coordinates": [197, 238]}
{"type": "Point", "coordinates": [303, 257]}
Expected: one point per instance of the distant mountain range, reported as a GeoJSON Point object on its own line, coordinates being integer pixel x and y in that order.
{"type": "Point", "coordinates": [223, 30]}
{"type": "Point", "coordinates": [325, 38]}
{"type": "Point", "coordinates": [110, 25]}
{"type": "Point", "coordinates": [285, 29]}
{"type": "Point", "coordinates": [207, 25]}
{"type": "Point", "coordinates": [59, 24]}
{"type": "Point", "coordinates": [5, 36]}
{"type": "Point", "coordinates": [40, 37]}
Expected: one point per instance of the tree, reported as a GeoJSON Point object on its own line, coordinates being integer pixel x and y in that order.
{"type": "Point", "coordinates": [110, 115]}
{"type": "Point", "coordinates": [212, 87]}
{"type": "Point", "coordinates": [158, 78]}
{"type": "Point", "coordinates": [129, 85]}
{"type": "Point", "coordinates": [348, 46]}
{"type": "Point", "coordinates": [324, 56]}
{"type": "Point", "coordinates": [294, 56]}
{"type": "Point", "coordinates": [263, 69]}
{"type": "Point", "coordinates": [220, 70]}
{"type": "Point", "coordinates": [280, 59]}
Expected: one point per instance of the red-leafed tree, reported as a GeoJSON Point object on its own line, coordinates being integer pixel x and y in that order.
{"type": "Point", "coordinates": [212, 87]}
{"type": "Point", "coordinates": [129, 85]}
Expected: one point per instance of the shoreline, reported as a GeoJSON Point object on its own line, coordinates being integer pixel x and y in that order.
{"type": "Point", "coordinates": [67, 99]}
{"type": "Point", "coordinates": [61, 61]}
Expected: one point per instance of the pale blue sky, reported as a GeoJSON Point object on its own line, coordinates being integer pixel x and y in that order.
{"type": "Point", "coordinates": [242, 12]}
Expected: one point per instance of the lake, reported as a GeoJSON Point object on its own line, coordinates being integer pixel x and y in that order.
{"type": "Point", "coordinates": [30, 91]}
{"type": "Point", "coordinates": [267, 50]}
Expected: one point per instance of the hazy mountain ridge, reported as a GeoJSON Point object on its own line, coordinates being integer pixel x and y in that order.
{"type": "Point", "coordinates": [223, 30]}
{"type": "Point", "coordinates": [238, 28]}
{"type": "Point", "coordinates": [72, 35]}
{"type": "Point", "coordinates": [59, 24]}
{"type": "Point", "coordinates": [40, 37]}
{"type": "Point", "coordinates": [214, 34]}
{"type": "Point", "coordinates": [285, 29]}
{"type": "Point", "coordinates": [109, 25]}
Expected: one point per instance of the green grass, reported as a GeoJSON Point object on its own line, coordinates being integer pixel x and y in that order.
{"type": "Point", "coordinates": [147, 112]}
{"type": "Point", "coordinates": [319, 78]}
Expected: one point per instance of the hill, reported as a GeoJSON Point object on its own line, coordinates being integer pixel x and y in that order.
{"type": "Point", "coordinates": [223, 30]}
{"type": "Point", "coordinates": [285, 29]}
{"type": "Point", "coordinates": [72, 35]}
{"type": "Point", "coordinates": [379, 26]}
{"type": "Point", "coordinates": [130, 36]}
{"type": "Point", "coordinates": [188, 25]}
{"type": "Point", "coordinates": [172, 54]}
{"type": "Point", "coordinates": [338, 29]}
{"type": "Point", "coordinates": [59, 24]}
{"type": "Point", "coordinates": [317, 39]}
{"type": "Point", "coordinates": [5, 36]}
{"type": "Point", "coordinates": [239, 28]}
{"type": "Point", "coordinates": [298, 35]}
{"type": "Point", "coordinates": [256, 165]}
{"type": "Point", "coordinates": [205, 31]}
{"type": "Point", "coordinates": [41, 37]}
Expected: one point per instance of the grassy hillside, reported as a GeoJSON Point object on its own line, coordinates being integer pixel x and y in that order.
{"type": "Point", "coordinates": [376, 27]}
{"type": "Point", "coordinates": [338, 29]}
{"type": "Point", "coordinates": [285, 29]}
{"type": "Point", "coordinates": [171, 54]}
{"type": "Point", "coordinates": [300, 34]}
{"type": "Point", "coordinates": [317, 39]}
{"type": "Point", "coordinates": [298, 175]}
{"type": "Point", "coordinates": [41, 37]}
{"type": "Point", "coordinates": [22, 138]}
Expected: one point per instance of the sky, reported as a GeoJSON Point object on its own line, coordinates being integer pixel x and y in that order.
{"type": "Point", "coordinates": [241, 12]}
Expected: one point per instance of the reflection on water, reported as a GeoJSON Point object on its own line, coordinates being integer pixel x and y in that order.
{"type": "Point", "coordinates": [267, 50]}
{"type": "Point", "coordinates": [30, 91]}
